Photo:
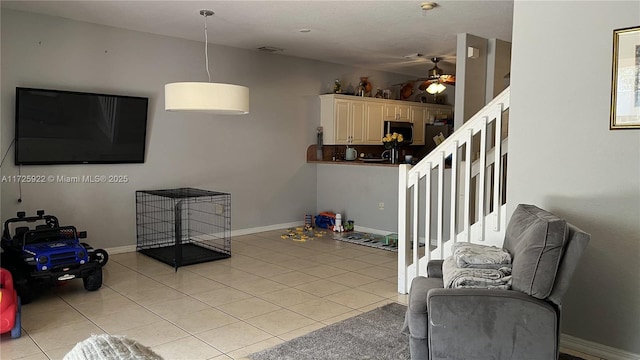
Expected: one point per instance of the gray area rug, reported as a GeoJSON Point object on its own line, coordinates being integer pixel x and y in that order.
{"type": "Point", "coordinates": [374, 335]}
{"type": "Point", "coordinates": [366, 239]}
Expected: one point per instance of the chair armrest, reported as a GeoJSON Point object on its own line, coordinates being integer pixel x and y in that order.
{"type": "Point", "coordinates": [434, 268]}
{"type": "Point", "coordinates": [499, 324]}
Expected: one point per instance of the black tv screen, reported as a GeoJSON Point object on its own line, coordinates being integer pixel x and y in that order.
{"type": "Point", "coordinates": [65, 127]}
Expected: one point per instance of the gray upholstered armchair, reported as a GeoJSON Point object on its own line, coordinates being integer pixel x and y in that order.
{"type": "Point", "coordinates": [521, 323]}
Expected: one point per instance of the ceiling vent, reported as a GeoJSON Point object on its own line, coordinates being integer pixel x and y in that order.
{"type": "Point", "coordinates": [269, 49]}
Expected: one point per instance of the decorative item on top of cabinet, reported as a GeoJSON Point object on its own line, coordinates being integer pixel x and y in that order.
{"type": "Point", "coordinates": [406, 91]}
{"type": "Point", "coordinates": [364, 87]}
{"type": "Point", "coordinates": [337, 88]}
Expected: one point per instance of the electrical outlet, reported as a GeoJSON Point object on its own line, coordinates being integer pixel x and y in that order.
{"type": "Point", "coordinates": [380, 206]}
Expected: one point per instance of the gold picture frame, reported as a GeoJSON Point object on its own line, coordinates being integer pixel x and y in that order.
{"type": "Point", "coordinates": [625, 85]}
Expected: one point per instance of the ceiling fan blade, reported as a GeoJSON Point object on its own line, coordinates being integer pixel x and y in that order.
{"type": "Point", "coordinates": [448, 79]}
{"type": "Point", "coordinates": [408, 82]}
{"type": "Point", "coordinates": [425, 84]}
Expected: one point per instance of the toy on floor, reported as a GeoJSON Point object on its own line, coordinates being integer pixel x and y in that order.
{"type": "Point", "coordinates": [308, 221]}
{"type": "Point", "coordinates": [304, 233]}
{"type": "Point", "coordinates": [333, 222]}
{"type": "Point", "coordinates": [326, 220]}
{"type": "Point", "coordinates": [37, 250]}
{"type": "Point", "coordinates": [10, 309]}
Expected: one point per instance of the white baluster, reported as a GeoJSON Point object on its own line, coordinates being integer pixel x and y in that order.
{"type": "Point", "coordinates": [454, 192]}
{"type": "Point", "coordinates": [481, 177]}
{"type": "Point", "coordinates": [440, 224]}
{"type": "Point", "coordinates": [467, 185]}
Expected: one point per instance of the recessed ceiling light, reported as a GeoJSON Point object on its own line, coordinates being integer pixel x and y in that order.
{"type": "Point", "coordinates": [305, 30]}
{"type": "Point", "coordinates": [426, 6]}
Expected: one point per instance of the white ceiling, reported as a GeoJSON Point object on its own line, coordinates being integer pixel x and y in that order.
{"type": "Point", "coordinates": [371, 34]}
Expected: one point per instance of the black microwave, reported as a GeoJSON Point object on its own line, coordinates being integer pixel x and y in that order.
{"type": "Point", "coordinates": [404, 128]}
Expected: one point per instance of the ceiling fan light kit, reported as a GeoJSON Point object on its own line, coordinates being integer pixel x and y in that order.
{"type": "Point", "coordinates": [436, 80]}
{"type": "Point", "coordinates": [207, 97]}
{"type": "Point", "coordinates": [436, 88]}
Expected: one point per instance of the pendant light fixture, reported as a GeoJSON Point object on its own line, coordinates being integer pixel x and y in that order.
{"type": "Point", "coordinates": [208, 97]}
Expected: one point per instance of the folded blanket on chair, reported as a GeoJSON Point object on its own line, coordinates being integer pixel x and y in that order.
{"type": "Point", "coordinates": [469, 255]}
{"type": "Point", "coordinates": [456, 277]}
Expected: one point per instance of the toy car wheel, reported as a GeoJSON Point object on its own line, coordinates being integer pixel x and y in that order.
{"type": "Point", "coordinates": [101, 256]}
{"type": "Point", "coordinates": [23, 287]}
{"type": "Point", "coordinates": [93, 281]}
{"type": "Point", "coordinates": [16, 332]}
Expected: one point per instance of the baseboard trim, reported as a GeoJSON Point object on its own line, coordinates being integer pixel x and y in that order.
{"type": "Point", "coordinates": [259, 229]}
{"type": "Point", "coordinates": [372, 231]}
{"type": "Point", "coordinates": [121, 249]}
{"type": "Point", "coordinates": [132, 248]}
{"type": "Point", "coordinates": [595, 349]}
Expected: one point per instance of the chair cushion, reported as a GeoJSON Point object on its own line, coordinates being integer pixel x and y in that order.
{"type": "Point", "coordinates": [535, 238]}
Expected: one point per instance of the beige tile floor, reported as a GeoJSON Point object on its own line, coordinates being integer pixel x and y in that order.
{"type": "Point", "coordinates": [271, 290]}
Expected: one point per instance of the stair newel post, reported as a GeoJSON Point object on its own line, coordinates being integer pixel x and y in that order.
{"type": "Point", "coordinates": [403, 253]}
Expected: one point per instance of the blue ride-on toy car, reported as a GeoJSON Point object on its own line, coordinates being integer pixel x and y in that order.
{"type": "Point", "coordinates": [38, 251]}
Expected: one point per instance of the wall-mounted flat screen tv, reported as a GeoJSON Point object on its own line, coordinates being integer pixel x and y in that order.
{"type": "Point", "coordinates": [65, 127]}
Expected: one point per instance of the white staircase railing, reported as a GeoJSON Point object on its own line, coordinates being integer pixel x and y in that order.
{"type": "Point", "coordinates": [456, 193]}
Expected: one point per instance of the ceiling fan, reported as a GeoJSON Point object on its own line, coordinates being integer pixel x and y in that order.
{"type": "Point", "coordinates": [434, 83]}
{"type": "Point", "coordinates": [436, 79]}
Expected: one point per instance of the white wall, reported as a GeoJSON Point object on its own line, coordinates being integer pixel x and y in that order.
{"type": "Point", "coordinates": [471, 77]}
{"type": "Point", "coordinates": [498, 66]}
{"type": "Point", "coordinates": [259, 158]}
{"type": "Point", "coordinates": [564, 158]}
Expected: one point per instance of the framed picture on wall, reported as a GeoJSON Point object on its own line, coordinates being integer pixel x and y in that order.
{"type": "Point", "coordinates": [625, 88]}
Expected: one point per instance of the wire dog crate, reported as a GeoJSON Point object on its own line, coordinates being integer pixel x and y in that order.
{"type": "Point", "coordinates": [183, 226]}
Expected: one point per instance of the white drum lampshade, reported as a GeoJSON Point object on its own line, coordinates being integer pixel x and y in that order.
{"type": "Point", "coordinates": [215, 98]}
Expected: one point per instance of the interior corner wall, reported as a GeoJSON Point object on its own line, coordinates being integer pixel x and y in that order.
{"type": "Point", "coordinates": [498, 67]}
{"type": "Point", "coordinates": [564, 158]}
{"type": "Point", "coordinates": [356, 192]}
{"type": "Point", "coordinates": [471, 75]}
{"type": "Point", "coordinates": [259, 158]}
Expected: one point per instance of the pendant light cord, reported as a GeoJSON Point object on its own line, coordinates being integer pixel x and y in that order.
{"type": "Point", "coordinates": [206, 42]}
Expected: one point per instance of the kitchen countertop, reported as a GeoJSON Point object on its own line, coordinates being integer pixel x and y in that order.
{"type": "Point", "coordinates": [354, 162]}
{"type": "Point", "coordinates": [311, 159]}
